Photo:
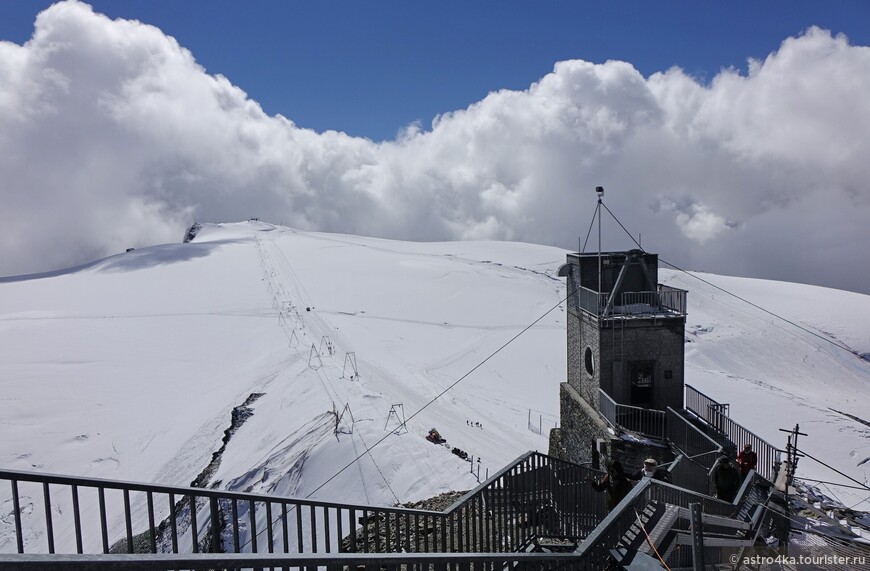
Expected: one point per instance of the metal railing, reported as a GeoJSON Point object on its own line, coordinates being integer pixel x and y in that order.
{"type": "Point", "coordinates": [591, 301]}
{"type": "Point", "coordinates": [664, 300]}
{"type": "Point", "coordinates": [689, 474]}
{"type": "Point", "coordinates": [331, 562]}
{"type": "Point", "coordinates": [536, 495]}
{"type": "Point", "coordinates": [595, 551]}
{"type": "Point", "coordinates": [672, 298]}
{"type": "Point", "coordinates": [644, 421]}
{"type": "Point", "coordinates": [689, 439]}
{"type": "Point", "coordinates": [712, 412]}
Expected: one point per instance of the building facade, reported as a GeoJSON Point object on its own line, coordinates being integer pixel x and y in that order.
{"type": "Point", "coordinates": [625, 347]}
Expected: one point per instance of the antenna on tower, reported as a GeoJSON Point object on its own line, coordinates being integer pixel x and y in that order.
{"type": "Point", "coordinates": [599, 190]}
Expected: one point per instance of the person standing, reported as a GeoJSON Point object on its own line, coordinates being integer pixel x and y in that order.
{"type": "Point", "coordinates": [726, 479]}
{"type": "Point", "coordinates": [747, 459]}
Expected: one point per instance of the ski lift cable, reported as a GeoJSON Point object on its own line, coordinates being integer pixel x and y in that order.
{"type": "Point", "coordinates": [334, 396]}
{"type": "Point", "coordinates": [848, 477]}
{"type": "Point", "coordinates": [378, 468]}
{"type": "Point", "coordinates": [442, 393]}
{"type": "Point", "coordinates": [867, 499]}
{"type": "Point", "coordinates": [813, 480]}
{"type": "Point", "coordinates": [734, 295]}
{"type": "Point", "coordinates": [830, 491]}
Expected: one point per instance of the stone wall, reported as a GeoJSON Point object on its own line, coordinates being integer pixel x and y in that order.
{"type": "Point", "coordinates": [580, 428]}
{"type": "Point", "coordinates": [583, 333]}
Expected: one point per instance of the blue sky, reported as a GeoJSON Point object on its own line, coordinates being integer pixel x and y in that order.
{"type": "Point", "coordinates": [371, 68]}
{"type": "Point", "coordinates": [123, 124]}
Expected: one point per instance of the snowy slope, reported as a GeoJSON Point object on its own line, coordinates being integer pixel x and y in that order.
{"type": "Point", "coordinates": [775, 375]}
{"type": "Point", "coordinates": [129, 368]}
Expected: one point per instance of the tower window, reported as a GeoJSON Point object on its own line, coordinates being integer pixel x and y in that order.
{"type": "Point", "coordinates": [588, 361]}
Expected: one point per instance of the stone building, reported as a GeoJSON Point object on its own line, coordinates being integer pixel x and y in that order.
{"type": "Point", "coordinates": [625, 359]}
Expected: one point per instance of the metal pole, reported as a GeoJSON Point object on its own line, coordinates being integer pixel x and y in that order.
{"type": "Point", "coordinates": [598, 213]}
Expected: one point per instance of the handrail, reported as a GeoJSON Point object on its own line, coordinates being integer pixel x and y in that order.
{"type": "Point", "coordinates": [536, 495]}
{"type": "Point", "coordinates": [663, 301]}
{"type": "Point", "coordinates": [645, 421]}
{"type": "Point", "coordinates": [60, 479]}
{"type": "Point", "coordinates": [208, 561]}
{"type": "Point", "coordinates": [710, 411]}
{"type": "Point", "coordinates": [595, 549]}
{"type": "Point", "coordinates": [691, 439]}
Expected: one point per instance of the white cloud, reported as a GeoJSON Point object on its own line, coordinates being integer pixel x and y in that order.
{"type": "Point", "coordinates": [111, 135]}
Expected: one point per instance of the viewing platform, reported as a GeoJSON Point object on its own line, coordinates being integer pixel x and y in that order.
{"type": "Point", "coordinates": [664, 302]}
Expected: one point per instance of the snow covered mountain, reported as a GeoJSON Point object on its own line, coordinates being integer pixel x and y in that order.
{"type": "Point", "coordinates": [131, 367]}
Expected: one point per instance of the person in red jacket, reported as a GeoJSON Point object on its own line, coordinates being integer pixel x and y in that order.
{"type": "Point", "coordinates": [747, 459]}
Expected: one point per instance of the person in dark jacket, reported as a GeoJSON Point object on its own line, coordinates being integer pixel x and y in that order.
{"type": "Point", "coordinates": [747, 459]}
{"type": "Point", "coordinates": [726, 479]}
{"type": "Point", "coordinates": [651, 470]}
{"type": "Point", "coordinates": [616, 483]}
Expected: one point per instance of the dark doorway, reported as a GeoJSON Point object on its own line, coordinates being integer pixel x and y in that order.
{"type": "Point", "coordinates": [642, 383]}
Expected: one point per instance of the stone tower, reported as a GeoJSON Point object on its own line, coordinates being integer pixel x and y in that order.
{"type": "Point", "coordinates": [625, 355]}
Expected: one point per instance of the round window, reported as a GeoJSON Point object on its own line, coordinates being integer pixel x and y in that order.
{"type": "Point", "coordinates": [587, 359]}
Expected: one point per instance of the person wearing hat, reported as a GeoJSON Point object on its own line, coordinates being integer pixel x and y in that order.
{"type": "Point", "coordinates": [651, 470]}
{"type": "Point", "coordinates": [726, 479]}
{"type": "Point", "coordinates": [747, 459]}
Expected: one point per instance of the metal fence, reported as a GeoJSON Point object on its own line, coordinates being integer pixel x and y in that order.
{"type": "Point", "coordinates": [664, 300]}
{"type": "Point", "coordinates": [535, 496]}
{"type": "Point", "coordinates": [591, 301]}
{"type": "Point", "coordinates": [593, 555]}
{"type": "Point", "coordinates": [644, 421]}
{"type": "Point", "coordinates": [713, 413]}
{"type": "Point", "coordinates": [672, 298]}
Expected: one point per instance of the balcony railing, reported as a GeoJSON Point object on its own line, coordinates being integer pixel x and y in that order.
{"type": "Point", "coordinates": [665, 301]}
{"type": "Point", "coordinates": [644, 421]}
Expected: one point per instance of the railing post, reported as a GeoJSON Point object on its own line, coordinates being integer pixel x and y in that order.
{"type": "Point", "coordinates": [252, 514]}
{"type": "Point", "coordinates": [104, 529]}
{"type": "Point", "coordinates": [215, 525]}
{"type": "Point", "coordinates": [128, 520]}
{"type": "Point", "coordinates": [351, 517]}
{"type": "Point", "coordinates": [16, 507]}
{"type": "Point", "coordinates": [49, 524]}
{"type": "Point", "coordinates": [152, 538]}
{"type": "Point", "coordinates": [193, 526]}
{"type": "Point", "coordinates": [234, 513]}
{"type": "Point", "coordinates": [77, 518]}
